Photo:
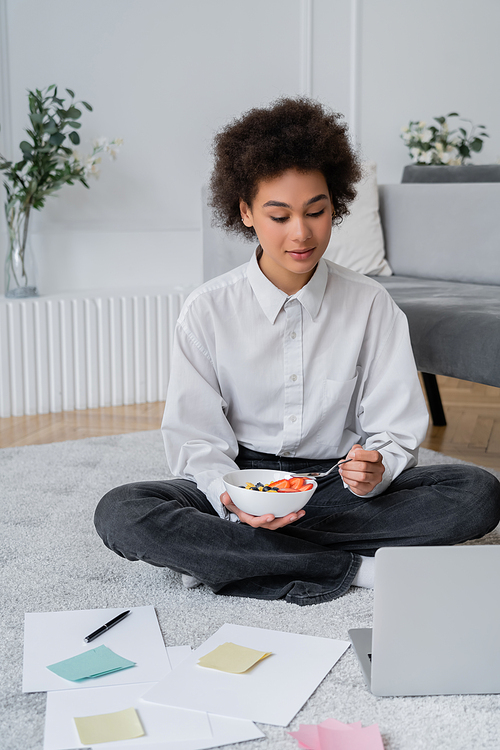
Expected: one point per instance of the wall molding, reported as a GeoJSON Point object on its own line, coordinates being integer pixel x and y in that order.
{"type": "Point", "coordinates": [355, 60]}
{"type": "Point", "coordinates": [355, 71]}
{"type": "Point", "coordinates": [6, 103]}
{"type": "Point", "coordinates": [5, 97]}
{"type": "Point", "coordinates": [306, 45]}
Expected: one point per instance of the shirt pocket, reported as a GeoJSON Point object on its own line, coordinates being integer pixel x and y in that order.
{"type": "Point", "coordinates": [336, 404]}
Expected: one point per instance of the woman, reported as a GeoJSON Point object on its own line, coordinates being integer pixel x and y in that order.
{"type": "Point", "coordinates": [291, 362]}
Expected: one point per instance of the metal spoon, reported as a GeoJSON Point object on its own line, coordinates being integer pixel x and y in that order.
{"type": "Point", "coordinates": [316, 474]}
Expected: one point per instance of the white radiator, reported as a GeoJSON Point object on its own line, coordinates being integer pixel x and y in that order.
{"type": "Point", "coordinates": [63, 352]}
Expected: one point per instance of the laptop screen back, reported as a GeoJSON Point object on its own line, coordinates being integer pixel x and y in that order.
{"type": "Point", "coordinates": [436, 620]}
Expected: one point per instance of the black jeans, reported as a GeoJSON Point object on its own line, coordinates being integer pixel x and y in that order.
{"type": "Point", "coordinates": [171, 524]}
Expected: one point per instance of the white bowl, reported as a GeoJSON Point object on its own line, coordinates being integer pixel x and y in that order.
{"type": "Point", "coordinates": [260, 503]}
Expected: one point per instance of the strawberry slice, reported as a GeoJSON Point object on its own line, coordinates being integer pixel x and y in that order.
{"type": "Point", "coordinates": [281, 484]}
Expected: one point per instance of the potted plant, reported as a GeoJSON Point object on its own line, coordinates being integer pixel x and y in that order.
{"type": "Point", "coordinates": [439, 153]}
{"type": "Point", "coordinates": [48, 162]}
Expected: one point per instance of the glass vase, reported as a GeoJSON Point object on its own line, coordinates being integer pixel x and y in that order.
{"type": "Point", "coordinates": [20, 270]}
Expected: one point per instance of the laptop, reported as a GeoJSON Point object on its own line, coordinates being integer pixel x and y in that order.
{"type": "Point", "coordinates": [436, 622]}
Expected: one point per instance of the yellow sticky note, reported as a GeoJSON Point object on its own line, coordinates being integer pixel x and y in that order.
{"type": "Point", "coordinates": [120, 725]}
{"type": "Point", "coordinates": [230, 657]}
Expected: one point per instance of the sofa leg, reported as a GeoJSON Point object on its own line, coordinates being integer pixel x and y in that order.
{"type": "Point", "coordinates": [434, 399]}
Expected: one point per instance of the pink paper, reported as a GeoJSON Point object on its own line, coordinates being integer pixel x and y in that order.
{"type": "Point", "coordinates": [336, 724]}
{"type": "Point", "coordinates": [307, 736]}
{"type": "Point", "coordinates": [332, 734]}
{"type": "Point", "coordinates": [362, 738]}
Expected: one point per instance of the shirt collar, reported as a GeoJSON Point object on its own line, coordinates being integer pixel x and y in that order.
{"type": "Point", "coordinates": [271, 299]}
{"type": "Point", "coordinates": [311, 295]}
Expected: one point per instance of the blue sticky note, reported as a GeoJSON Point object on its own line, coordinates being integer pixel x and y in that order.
{"type": "Point", "coordinates": [94, 663]}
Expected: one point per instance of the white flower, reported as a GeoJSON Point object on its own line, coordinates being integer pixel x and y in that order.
{"type": "Point", "coordinates": [415, 153]}
{"type": "Point", "coordinates": [91, 167]}
{"type": "Point", "coordinates": [90, 163]}
{"type": "Point", "coordinates": [422, 124]}
{"type": "Point", "coordinates": [113, 147]}
{"type": "Point", "coordinates": [405, 129]}
{"type": "Point", "coordinates": [426, 136]}
{"type": "Point", "coordinates": [426, 157]}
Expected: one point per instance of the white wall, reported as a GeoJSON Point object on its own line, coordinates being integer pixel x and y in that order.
{"type": "Point", "coordinates": [165, 75]}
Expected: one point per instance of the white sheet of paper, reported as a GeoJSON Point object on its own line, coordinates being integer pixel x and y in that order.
{"type": "Point", "coordinates": [271, 693]}
{"type": "Point", "coordinates": [160, 723]}
{"type": "Point", "coordinates": [50, 637]}
{"type": "Point", "coordinates": [177, 654]}
{"type": "Point", "coordinates": [226, 731]}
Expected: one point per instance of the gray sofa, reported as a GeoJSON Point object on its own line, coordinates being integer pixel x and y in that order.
{"type": "Point", "coordinates": [443, 245]}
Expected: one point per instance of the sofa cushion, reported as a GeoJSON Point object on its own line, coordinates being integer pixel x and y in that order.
{"type": "Point", "coordinates": [454, 327]}
{"type": "Point", "coordinates": [445, 231]}
{"type": "Point", "coordinates": [358, 243]}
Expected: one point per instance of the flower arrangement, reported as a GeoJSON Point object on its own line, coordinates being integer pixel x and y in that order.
{"type": "Point", "coordinates": [48, 162]}
{"type": "Point", "coordinates": [431, 144]}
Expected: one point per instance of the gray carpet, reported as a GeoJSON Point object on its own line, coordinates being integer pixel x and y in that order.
{"type": "Point", "coordinates": [53, 560]}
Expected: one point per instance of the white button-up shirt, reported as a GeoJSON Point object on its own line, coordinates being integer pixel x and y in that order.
{"type": "Point", "coordinates": [307, 375]}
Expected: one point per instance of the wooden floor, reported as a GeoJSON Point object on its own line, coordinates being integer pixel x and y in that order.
{"type": "Point", "coordinates": [472, 432]}
{"type": "Point", "coordinates": [473, 417]}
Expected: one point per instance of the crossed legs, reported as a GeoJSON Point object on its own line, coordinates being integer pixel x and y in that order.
{"type": "Point", "coordinates": [171, 524]}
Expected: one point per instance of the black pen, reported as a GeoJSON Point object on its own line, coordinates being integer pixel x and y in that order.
{"type": "Point", "coordinates": [105, 627]}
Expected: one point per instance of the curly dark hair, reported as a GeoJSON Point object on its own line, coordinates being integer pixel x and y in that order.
{"type": "Point", "coordinates": [292, 133]}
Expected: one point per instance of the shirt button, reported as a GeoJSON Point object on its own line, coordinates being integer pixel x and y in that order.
{"type": "Point", "coordinates": [293, 335]}
{"type": "Point", "coordinates": [286, 453]}
{"type": "Point", "coordinates": [293, 418]}
{"type": "Point", "coordinates": [293, 377]}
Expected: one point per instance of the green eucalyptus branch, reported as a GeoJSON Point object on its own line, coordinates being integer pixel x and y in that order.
{"type": "Point", "coordinates": [49, 160]}
{"type": "Point", "coordinates": [46, 163]}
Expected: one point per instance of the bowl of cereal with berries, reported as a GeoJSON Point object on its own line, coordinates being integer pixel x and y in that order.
{"type": "Point", "coordinates": [261, 491]}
